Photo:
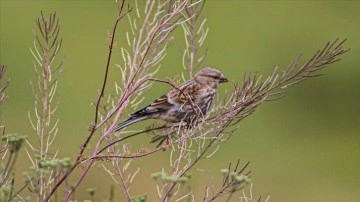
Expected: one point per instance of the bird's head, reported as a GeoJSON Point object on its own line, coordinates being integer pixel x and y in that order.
{"type": "Point", "coordinates": [210, 76]}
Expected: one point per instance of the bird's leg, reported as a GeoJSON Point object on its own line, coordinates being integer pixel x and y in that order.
{"type": "Point", "coordinates": [162, 138]}
{"type": "Point", "coordinates": [191, 122]}
{"type": "Point", "coordinates": [168, 140]}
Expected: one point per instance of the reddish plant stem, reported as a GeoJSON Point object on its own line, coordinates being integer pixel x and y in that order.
{"type": "Point", "coordinates": [111, 45]}
{"type": "Point", "coordinates": [93, 129]}
{"type": "Point", "coordinates": [122, 101]}
{"type": "Point", "coordinates": [70, 191]}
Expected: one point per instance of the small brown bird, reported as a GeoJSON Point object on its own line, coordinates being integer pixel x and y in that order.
{"type": "Point", "coordinates": [185, 103]}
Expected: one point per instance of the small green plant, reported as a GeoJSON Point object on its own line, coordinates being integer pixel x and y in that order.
{"type": "Point", "coordinates": [141, 198]}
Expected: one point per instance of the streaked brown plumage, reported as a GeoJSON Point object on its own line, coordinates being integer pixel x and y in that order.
{"type": "Point", "coordinates": [185, 103]}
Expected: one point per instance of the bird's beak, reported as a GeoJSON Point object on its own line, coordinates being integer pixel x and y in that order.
{"type": "Point", "coordinates": [223, 79]}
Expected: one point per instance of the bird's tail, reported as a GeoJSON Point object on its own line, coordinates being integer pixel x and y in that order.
{"type": "Point", "coordinates": [129, 121]}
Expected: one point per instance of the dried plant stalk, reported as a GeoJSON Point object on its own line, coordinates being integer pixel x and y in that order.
{"type": "Point", "coordinates": [45, 51]}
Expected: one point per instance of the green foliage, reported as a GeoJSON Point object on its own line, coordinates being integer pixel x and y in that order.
{"type": "Point", "coordinates": [112, 194]}
{"type": "Point", "coordinates": [167, 178]}
{"type": "Point", "coordinates": [54, 163]}
{"type": "Point", "coordinates": [91, 191]}
{"type": "Point", "coordinates": [224, 171]}
{"type": "Point", "coordinates": [14, 141]}
{"type": "Point", "coordinates": [140, 198]}
{"type": "Point", "coordinates": [240, 178]}
{"type": "Point", "coordinates": [4, 192]}
{"type": "Point", "coordinates": [235, 176]}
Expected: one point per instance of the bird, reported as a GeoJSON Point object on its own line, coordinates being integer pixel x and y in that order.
{"type": "Point", "coordinates": [186, 102]}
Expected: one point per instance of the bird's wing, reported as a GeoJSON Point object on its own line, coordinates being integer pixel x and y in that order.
{"type": "Point", "coordinates": [160, 104]}
{"type": "Point", "coordinates": [184, 94]}
{"type": "Point", "coordinates": [174, 97]}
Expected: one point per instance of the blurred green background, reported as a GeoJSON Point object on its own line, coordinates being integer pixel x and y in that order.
{"type": "Point", "coordinates": [304, 147]}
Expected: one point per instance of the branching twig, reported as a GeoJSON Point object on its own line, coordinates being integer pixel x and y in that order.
{"type": "Point", "coordinates": [3, 96]}
{"type": "Point", "coordinates": [46, 48]}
